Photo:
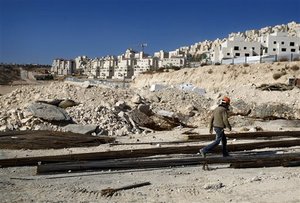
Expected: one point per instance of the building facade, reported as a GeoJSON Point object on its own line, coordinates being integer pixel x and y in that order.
{"type": "Point", "coordinates": [279, 43]}
{"type": "Point", "coordinates": [63, 67]}
{"type": "Point", "coordinates": [234, 47]}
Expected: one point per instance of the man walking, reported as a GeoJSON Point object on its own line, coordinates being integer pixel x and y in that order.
{"type": "Point", "coordinates": [218, 122]}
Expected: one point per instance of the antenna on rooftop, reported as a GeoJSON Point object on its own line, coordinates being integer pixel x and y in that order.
{"type": "Point", "coordinates": [143, 46]}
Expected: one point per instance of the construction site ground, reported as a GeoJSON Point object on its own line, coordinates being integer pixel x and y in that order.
{"type": "Point", "coordinates": [219, 183]}
{"type": "Point", "coordinates": [172, 184]}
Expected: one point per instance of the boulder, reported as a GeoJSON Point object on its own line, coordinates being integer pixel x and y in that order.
{"type": "Point", "coordinates": [81, 129]}
{"type": "Point", "coordinates": [273, 111]}
{"type": "Point", "coordinates": [48, 112]}
{"type": "Point", "coordinates": [67, 103]}
{"type": "Point", "coordinates": [240, 107]}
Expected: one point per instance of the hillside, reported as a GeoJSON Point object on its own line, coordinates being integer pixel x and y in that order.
{"type": "Point", "coordinates": [236, 81]}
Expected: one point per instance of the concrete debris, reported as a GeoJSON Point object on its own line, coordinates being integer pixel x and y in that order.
{"type": "Point", "coordinates": [48, 112]}
{"type": "Point", "coordinates": [165, 113]}
{"type": "Point", "coordinates": [81, 129]}
{"type": "Point", "coordinates": [192, 88]}
{"type": "Point", "coordinates": [157, 87]}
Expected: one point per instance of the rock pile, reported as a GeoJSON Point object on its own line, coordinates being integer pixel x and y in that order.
{"type": "Point", "coordinates": [97, 110]}
{"type": "Point", "coordinates": [117, 112]}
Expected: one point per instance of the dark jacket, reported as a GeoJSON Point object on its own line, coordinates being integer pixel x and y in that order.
{"type": "Point", "coordinates": [219, 118]}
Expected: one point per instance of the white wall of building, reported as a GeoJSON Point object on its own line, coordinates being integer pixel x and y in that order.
{"type": "Point", "coordinates": [236, 46]}
{"type": "Point", "coordinates": [63, 67]}
{"type": "Point", "coordinates": [171, 62]}
{"type": "Point", "coordinates": [145, 64]}
{"type": "Point", "coordinates": [280, 43]}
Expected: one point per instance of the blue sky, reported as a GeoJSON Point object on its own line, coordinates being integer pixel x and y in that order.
{"type": "Point", "coordinates": [37, 31]}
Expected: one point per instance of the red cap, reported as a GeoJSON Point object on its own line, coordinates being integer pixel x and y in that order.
{"type": "Point", "coordinates": [226, 100]}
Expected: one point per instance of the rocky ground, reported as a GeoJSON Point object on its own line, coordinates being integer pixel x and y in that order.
{"type": "Point", "coordinates": [133, 114]}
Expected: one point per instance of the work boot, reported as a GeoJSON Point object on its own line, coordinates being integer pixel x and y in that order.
{"type": "Point", "coordinates": [202, 153]}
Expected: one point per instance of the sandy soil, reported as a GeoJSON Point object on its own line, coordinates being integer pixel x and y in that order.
{"type": "Point", "coordinates": [4, 89]}
{"type": "Point", "coordinates": [176, 184]}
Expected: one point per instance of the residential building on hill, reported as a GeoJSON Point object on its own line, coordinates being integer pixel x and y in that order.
{"type": "Point", "coordinates": [279, 43]}
{"type": "Point", "coordinates": [63, 67]}
{"type": "Point", "coordinates": [235, 46]}
{"type": "Point", "coordinates": [252, 46]}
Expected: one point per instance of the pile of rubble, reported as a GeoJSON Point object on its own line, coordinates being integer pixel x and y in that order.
{"type": "Point", "coordinates": [182, 98]}
{"type": "Point", "coordinates": [98, 110]}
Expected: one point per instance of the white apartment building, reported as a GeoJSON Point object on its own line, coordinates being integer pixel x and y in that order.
{"type": "Point", "coordinates": [176, 53]}
{"type": "Point", "coordinates": [125, 67]}
{"type": "Point", "coordinates": [161, 54]}
{"type": "Point", "coordinates": [83, 65]}
{"type": "Point", "coordinates": [63, 67]}
{"type": "Point", "coordinates": [145, 64]}
{"type": "Point", "coordinates": [172, 62]}
{"type": "Point", "coordinates": [95, 67]}
{"type": "Point", "coordinates": [170, 59]}
{"type": "Point", "coordinates": [233, 47]}
{"type": "Point", "coordinates": [279, 43]}
{"type": "Point", "coordinates": [107, 68]}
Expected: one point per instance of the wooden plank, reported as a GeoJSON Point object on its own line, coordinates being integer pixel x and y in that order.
{"type": "Point", "coordinates": [26, 161]}
{"type": "Point", "coordinates": [153, 143]}
{"type": "Point", "coordinates": [49, 140]}
{"type": "Point", "coordinates": [136, 163]}
{"type": "Point", "coordinates": [246, 135]}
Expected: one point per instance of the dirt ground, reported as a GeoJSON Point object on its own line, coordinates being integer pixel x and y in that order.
{"type": "Point", "coordinates": [175, 184]}
{"type": "Point", "coordinates": [4, 89]}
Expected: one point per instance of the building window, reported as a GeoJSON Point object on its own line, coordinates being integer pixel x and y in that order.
{"type": "Point", "coordinates": [274, 42]}
{"type": "Point", "coordinates": [236, 48]}
{"type": "Point", "coordinates": [282, 42]}
{"type": "Point", "coordinates": [292, 44]}
{"type": "Point", "coordinates": [253, 48]}
{"type": "Point", "coordinates": [293, 50]}
{"type": "Point", "coordinates": [283, 49]}
{"type": "Point", "coordinates": [237, 54]}
{"type": "Point", "coordinates": [228, 54]}
{"type": "Point", "coordinates": [245, 48]}
{"type": "Point", "coordinates": [247, 54]}
{"type": "Point", "coordinates": [274, 49]}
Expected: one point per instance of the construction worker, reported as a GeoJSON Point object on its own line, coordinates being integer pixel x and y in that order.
{"type": "Point", "coordinates": [218, 122]}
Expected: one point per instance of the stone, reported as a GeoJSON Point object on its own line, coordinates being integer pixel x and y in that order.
{"type": "Point", "coordinates": [81, 129]}
{"type": "Point", "coordinates": [165, 113]}
{"type": "Point", "coordinates": [48, 112]}
{"type": "Point", "coordinates": [3, 128]}
{"type": "Point", "coordinates": [213, 186]}
{"type": "Point", "coordinates": [136, 99]}
{"type": "Point", "coordinates": [120, 104]}
{"type": "Point", "coordinates": [145, 108]}
{"type": "Point", "coordinates": [67, 103]}
{"type": "Point", "coordinates": [240, 107]}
